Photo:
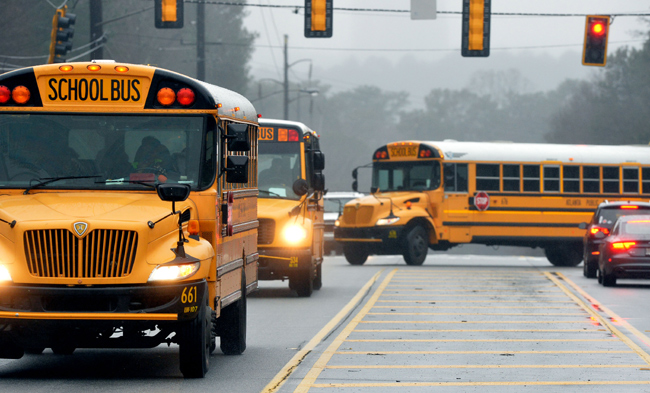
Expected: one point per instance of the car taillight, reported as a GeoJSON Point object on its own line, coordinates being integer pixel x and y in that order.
{"type": "Point", "coordinates": [595, 229]}
{"type": "Point", "coordinates": [622, 246]}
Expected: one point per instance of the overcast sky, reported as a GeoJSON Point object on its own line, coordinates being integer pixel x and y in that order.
{"type": "Point", "coordinates": [365, 38]}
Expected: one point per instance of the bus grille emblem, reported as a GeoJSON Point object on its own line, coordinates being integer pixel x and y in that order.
{"type": "Point", "coordinates": [80, 228]}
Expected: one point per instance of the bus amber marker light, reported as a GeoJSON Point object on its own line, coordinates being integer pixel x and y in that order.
{"type": "Point", "coordinates": [121, 69]}
{"type": "Point", "coordinates": [20, 94]}
{"type": "Point", "coordinates": [186, 96]}
{"type": "Point", "coordinates": [66, 68]}
{"type": "Point", "coordinates": [94, 67]}
{"type": "Point", "coordinates": [166, 96]}
{"type": "Point", "coordinates": [5, 94]}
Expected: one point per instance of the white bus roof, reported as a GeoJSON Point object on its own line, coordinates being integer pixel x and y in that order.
{"type": "Point", "coordinates": [541, 152]}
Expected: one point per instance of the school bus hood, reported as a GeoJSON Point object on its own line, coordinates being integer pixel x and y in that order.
{"type": "Point", "coordinates": [367, 210]}
{"type": "Point", "coordinates": [275, 208]}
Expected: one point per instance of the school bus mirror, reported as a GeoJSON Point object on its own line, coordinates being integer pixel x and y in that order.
{"type": "Point", "coordinates": [319, 160]}
{"type": "Point", "coordinates": [237, 137]}
{"type": "Point", "coordinates": [237, 169]}
{"type": "Point", "coordinates": [318, 181]}
{"type": "Point", "coordinates": [355, 174]}
{"type": "Point", "coordinates": [300, 187]}
{"type": "Point", "coordinates": [171, 192]}
{"type": "Point", "coordinates": [373, 190]}
{"type": "Point", "coordinates": [582, 225]}
{"type": "Point", "coordinates": [355, 186]}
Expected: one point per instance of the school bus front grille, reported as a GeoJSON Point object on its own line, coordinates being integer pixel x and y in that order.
{"type": "Point", "coordinates": [266, 231]}
{"type": "Point", "coordinates": [364, 215]}
{"type": "Point", "coordinates": [361, 215]}
{"type": "Point", "coordinates": [103, 253]}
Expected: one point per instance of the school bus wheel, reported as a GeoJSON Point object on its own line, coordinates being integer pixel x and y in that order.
{"type": "Point", "coordinates": [232, 325]}
{"type": "Point", "coordinates": [318, 280]}
{"type": "Point", "coordinates": [355, 254]}
{"type": "Point", "coordinates": [63, 349]}
{"type": "Point", "coordinates": [194, 345]}
{"type": "Point", "coordinates": [416, 246]}
{"type": "Point", "coordinates": [302, 281]}
{"type": "Point", "coordinates": [564, 254]}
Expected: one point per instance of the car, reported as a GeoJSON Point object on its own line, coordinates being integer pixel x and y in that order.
{"type": "Point", "coordinates": [333, 205]}
{"type": "Point", "coordinates": [601, 224]}
{"type": "Point", "coordinates": [625, 253]}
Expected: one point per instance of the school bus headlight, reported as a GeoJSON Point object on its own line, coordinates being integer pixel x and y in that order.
{"type": "Point", "coordinates": [5, 276]}
{"type": "Point", "coordinates": [337, 223]}
{"type": "Point", "coordinates": [294, 233]}
{"type": "Point", "coordinates": [387, 221]}
{"type": "Point", "coordinates": [174, 272]}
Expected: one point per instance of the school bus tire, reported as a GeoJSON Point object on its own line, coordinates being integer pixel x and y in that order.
{"type": "Point", "coordinates": [194, 346]}
{"type": "Point", "coordinates": [563, 255]}
{"type": "Point", "coordinates": [34, 350]}
{"type": "Point", "coordinates": [318, 280]}
{"type": "Point", "coordinates": [232, 325]}
{"type": "Point", "coordinates": [416, 246]}
{"type": "Point", "coordinates": [302, 282]}
{"type": "Point", "coordinates": [355, 254]}
{"type": "Point", "coordinates": [63, 349]}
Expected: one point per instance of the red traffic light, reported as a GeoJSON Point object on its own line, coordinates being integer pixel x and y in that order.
{"type": "Point", "coordinates": [598, 28]}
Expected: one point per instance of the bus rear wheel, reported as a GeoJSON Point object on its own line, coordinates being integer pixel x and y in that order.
{"type": "Point", "coordinates": [355, 254]}
{"type": "Point", "coordinates": [416, 247]}
{"type": "Point", "coordinates": [194, 346]}
{"type": "Point", "coordinates": [232, 325]}
{"type": "Point", "coordinates": [318, 280]}
{"type": "Point", "coordinates": [564, 254]}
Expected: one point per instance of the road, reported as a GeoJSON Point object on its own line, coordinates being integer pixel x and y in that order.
{"type": "Point", "coordinates": [458, 323]}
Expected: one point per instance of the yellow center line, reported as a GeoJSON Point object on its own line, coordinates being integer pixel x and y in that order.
{"type": "Point", "coordinates": [516, 383]}
{"type": "Point", "coordinates": [480, 307]}
{"type": "Point", "coordinates": [595, 303]}
{"type": "Point", "coordinates": [468, 322]}
{"type": "Point", "coordinates": [472, 352]}
{"type": "Point", "coordinates": [476, 330]}
{"type": "Point", "coordinates": [472, 301]}
{"type": "Point", "coordinates": [434, 366]}
{"type": "Point", "coordinates": [543, 285]}
{"type": "Point", "coordinates": [464, 290]}
{"type": "Point", "coordinates": [644, 355]}
{"type": "Point", "coordinates": [495, 340]}
{"type": "Point", "coordinates": [290, 367]}
{"type": "Point", "coordinates": [322, 361]}
{"type": "Point", "coordinates": [519, 296]}
{"type": "Point", "coordinates": [475, 313]}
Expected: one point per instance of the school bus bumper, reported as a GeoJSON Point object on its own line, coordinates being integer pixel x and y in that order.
{"type": "Point", "coordinates": [276, 264]}
{"type": "Point", "coordinates": [386, 235]}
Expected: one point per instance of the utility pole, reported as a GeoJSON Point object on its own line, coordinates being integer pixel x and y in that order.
{"type": "Point", "coordinates": [286, 78]}
{"type": "Point", "coordinates": [96, 28]}
{"type": "Point", "coordinates": [200, 41]}
{"type": "Point", "coordinates": [311, 100]}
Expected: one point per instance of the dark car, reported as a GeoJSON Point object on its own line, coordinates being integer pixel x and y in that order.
{"type": "Point", "coordinates": [601, 224]}
{"type": "Point", "coordinates": [626, 252]}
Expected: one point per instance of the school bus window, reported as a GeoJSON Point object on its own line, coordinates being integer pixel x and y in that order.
{"type": "Point", "coordinates": [406, 175]}
{"type": "Point", "coordinates": [511, 178]}
{"type": "Point", "coordinates": [487, 177]}
{"type": "Point", "coordinates": [591, 179]}
{"type": "Point", "coordinates": [279, 168]}
{"type": "Point", "coordinates": [455, 177]}
{"type": "Point", "coordinates": [611, 179]}
{"type": "Point", "coordinates": [645, 180]}
{"type": "Point", "coordinates": [571, 178]}
{"type": "Point", "coordinates": [631, 180]}
{"type": "Point", "coordinates": [551, 178]}
{"type": "Point", "coordinates": [531, 178]}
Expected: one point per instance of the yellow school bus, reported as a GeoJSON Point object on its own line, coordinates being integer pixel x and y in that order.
{"type": "Point", "coordinates": [290, 205]}
{"type": "Point", "coordinates": [440, 194]}
{"type": "Point", "coordinates": [127, 211]}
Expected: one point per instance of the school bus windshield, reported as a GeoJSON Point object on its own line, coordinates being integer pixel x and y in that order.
{"type": "Point", "coordinates": [279, 166]}
{"type": "Point", "coordinates": [104, 151]}
{"type": "Point", "coordinates": [406, 175]}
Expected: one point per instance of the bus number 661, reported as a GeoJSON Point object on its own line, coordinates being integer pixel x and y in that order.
{"type": "Point", "coordinates": [188, 296]}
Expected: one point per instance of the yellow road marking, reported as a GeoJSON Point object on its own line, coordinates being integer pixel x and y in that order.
{"type": "Point", "coordinates": [475, 330]}
{"type": "Point", "coordinates": [476, 313]}
{"type": "Point", "coordinates": [517, 383]}
{"type": "Point", "coordinates": [487, 322]}
{"type": "Point", "coordinates": [495, 340]}
{"type": "Point", "coordinates": [472, 301]}
{"type": "Point", "coordinates": [289, 368]}
{"type": "Point", "coordinates": [543, 285]}
{"type": "Point", "coordinates": [480, 307]}
{"type": "Point", "coordinates": [470, 352]}
{"type": "Point", "coordinates": [464, 290]}
{"type": "Point", "coordinates": [433, 366]}
{"type": "Point", "coordinates": [320, 364]}
{"type": "Point", "coordinates": [644, 355]}
{"type": "Point", "coordinates": [606, 310]}
{"type": "Point", "coordinates": [519, 296]}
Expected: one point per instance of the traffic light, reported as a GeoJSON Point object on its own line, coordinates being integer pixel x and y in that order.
{"type": "Point", "coordinates": [318, 18]}
{"type": "Point", "coordinates": [594, 52]}
{"type": "Point", "coordinates": [476, 28]}
{"type": "Point", "coordinates": [169, 14]}
{"type": "Point", "coordinates": [62, 33]}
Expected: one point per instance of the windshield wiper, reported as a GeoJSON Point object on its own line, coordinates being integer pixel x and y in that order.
{"type": "Point", "coordinates": [117, 181]}
{"type": "Point", "coordinates": [271, 193]}
{"type": "Point", "coordinates": [48, 180]}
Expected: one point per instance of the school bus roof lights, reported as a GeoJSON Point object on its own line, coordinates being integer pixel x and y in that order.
{"type": "Point", "coordinates": [20, 94]}
{"type": "Point", "coordinates": [174, 272]}
{"type": "Point", "coordinates": [5, 94]}
{"type": "Point", "coordinates": [186, 96]}
{"type": "Point", "coordinates": [166, 96]}
{"type": "Point", "coordinates": [94, 67]}
{"type": "Point", "coordinates": [66, 68]}
{"type": "Point", "coordinates": [121, 69]}
{"type": "Point", "coordinates": [293, 136]}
